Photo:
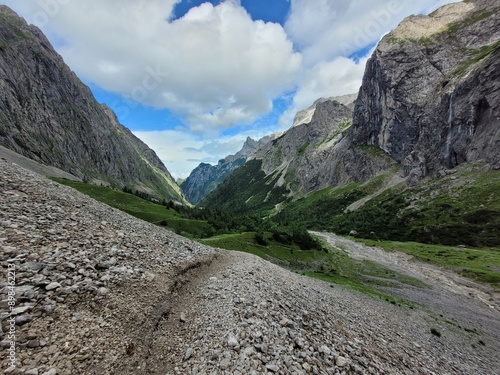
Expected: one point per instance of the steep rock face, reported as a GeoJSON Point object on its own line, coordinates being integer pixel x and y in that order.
{"type": "Point", "coordinates": [316, 154]}
{"type": "Point", "coordinates": [430, 96]}
{"type": "Point", "coordinates": [49, 115]}
{"type": "Point", "coordinates": [206, 177]}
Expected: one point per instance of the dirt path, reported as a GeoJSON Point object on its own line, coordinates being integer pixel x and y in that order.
{"type": "Point", "coordinates": [450, 295]}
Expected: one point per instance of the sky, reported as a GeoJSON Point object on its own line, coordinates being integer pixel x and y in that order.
{"type": "Point", "coordinates": [194, 78]}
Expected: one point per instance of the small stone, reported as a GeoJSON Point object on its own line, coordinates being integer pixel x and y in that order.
{"type": "Point", "coordinates": [52, 286]}
{"type": "Point", "coordinates": [325, 350]}
{"type": "Point", "coordinates": [188, 354]}
{"type": "Point", "coordinates": [233, 342]}
{"type": "Point", "coordinates": [23, 319]}
{"type": "Point", "coordinates": [52, 371]}
{"type": "Point", "coordinates": [341, 361]}
{"type": "Point", "coordinates": [182, 317]}
{"type": "Point", "coordinates": [10, 370]}
{"type": "Point", "coordinates": [33, 371]}
{"type": "Point", "coordinates": [21, 310]}
{"type": "Point", "coordinates": [272, 368]}
{"type": "Point", "coordinates": [306, 366]}
{"type": "Point", "coordinates": [102, 291]}
{"type": "Point", "coordinates": [249, 351]}
{"type": "Point", "coordinates": [224, 364]}
{"type": "Point", "coordinates": [33, 344]}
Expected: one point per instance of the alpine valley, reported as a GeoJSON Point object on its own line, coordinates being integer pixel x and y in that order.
{"type": "Point", "coordinates": [365, 239]}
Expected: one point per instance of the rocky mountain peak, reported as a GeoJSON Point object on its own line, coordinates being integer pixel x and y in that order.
{"type": "Point", "coordinates": [430, 92]}
{"type": "Point", "coordinates": [424, 26]}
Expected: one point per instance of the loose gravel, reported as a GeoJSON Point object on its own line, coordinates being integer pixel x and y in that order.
{"type": "Point", "coordinates": [100, 292]}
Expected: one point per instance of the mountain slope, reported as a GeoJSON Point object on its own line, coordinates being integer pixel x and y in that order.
{"type": "Point", "coordinates": [206, 177]}
{"type": "Point", "coordinates": [134, 298]}
{"type": "Point", "coordinates": [50, 116]}
{"type": "Point", "coordinates": [430, 100]}
{"type": "Point", "coordinates": [308, 157]}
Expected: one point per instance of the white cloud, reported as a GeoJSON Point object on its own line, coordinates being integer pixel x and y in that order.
{"type": "Point", "coordinates": [214, 67]}
{"type": "Point", "coordinates": [325, 29]}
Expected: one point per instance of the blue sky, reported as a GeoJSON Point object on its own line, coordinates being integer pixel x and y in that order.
{"type": "Point", "coordinates": [193, 79]}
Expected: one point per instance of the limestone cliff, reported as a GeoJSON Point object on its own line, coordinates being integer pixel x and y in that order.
{"type": "Point", "coordinates": [429, 101]}
{"type": "Point", "coordinates": [431, 91]}
{"type": "Point", "coordinates": [49, 115]}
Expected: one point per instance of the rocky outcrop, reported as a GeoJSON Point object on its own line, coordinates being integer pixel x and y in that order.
{"type": "Point", "coordinates": [49, 115]}
{"type": "Point", "coordinates": [430, 96]}
{"type": "Point", "coordinates": [206, 177]}
{"type": "Point", "coordinates": [317, 154]}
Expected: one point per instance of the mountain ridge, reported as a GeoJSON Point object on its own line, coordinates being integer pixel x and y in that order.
{"type": "Point", "coordinates": [50, 116]}
{"type": "Point", "coordinates": [206, 177]}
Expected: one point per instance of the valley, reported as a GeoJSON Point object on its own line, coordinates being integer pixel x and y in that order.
{"type": "Point", "coordinates": [151, 302]}
{"type": "Point", "coordinates": [362, 239]}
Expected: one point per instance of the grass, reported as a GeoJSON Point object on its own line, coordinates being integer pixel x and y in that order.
{"type": "Point", "coordinates": [459, 209]}
{"type": "Point", "coordinates": [476, 56]}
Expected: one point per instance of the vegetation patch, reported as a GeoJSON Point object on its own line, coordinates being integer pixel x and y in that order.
{"type": "Point", "coordinates": [302, 148]}
{"type": "Point", "coordinates": [476, 56]}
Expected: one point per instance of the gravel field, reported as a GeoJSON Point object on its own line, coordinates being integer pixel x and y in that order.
{"type": "Point", "coordinates": [100, 292]}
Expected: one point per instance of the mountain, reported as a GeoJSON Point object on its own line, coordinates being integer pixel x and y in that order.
{"type": "Point", "coordinates": [206, 177]}
{"type": "Point", "coordinates": [417, 158]}
{"type": "Point", "coordinates": [430, 95]}
{"type": "Point", "coordinates": [47, 114]}
{"type": "Point", "coordinates": [313, 154]}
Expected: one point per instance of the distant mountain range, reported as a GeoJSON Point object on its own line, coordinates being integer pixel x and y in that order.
{"type": "Point", "coordinates": [47, 114]}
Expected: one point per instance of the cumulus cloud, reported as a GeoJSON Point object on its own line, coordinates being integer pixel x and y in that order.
{"type": "Point", "coordinates": [324, 29]}
{"type": "Point", "coordinates": [214, 67]}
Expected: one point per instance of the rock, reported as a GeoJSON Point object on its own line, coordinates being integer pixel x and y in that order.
{"type": "Point", "coordinates": [33, 371]}
{"type": "Point", "coordinates": [188, 354]}
{"type": "Point", "coordinates": [23, 319]}
{"type": "Point", "coordinates": [33, 344]}
{"type": "Point", "coordinates": [325, 350]}
{"type": "Point", "coordinates": [52, 286]}
{"type": "Point", "coordinates": [182, 317]}
{"type": "Point", "coordinates": [102, 291]}
{"type": "Point", "coordinates": [224, 364]}
{"type": "Point", "coordinates": [52, 371]}
{"type": "Point", "coordinates": [21, 310]}
{"type": "Point", "coordinates": [272, 368]}
{"type": "Point", "coordinates": [232, 342]}
{"type": "Point", "coordinates": [340, 361]}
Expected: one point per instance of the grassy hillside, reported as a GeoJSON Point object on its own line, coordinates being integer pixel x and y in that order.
{"type": "Point", "coordinates": [281, 240]}
{"type": "Point", "coordinates": [462, 208]}
{"type": "Point", "coordinates": [247, 191]}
